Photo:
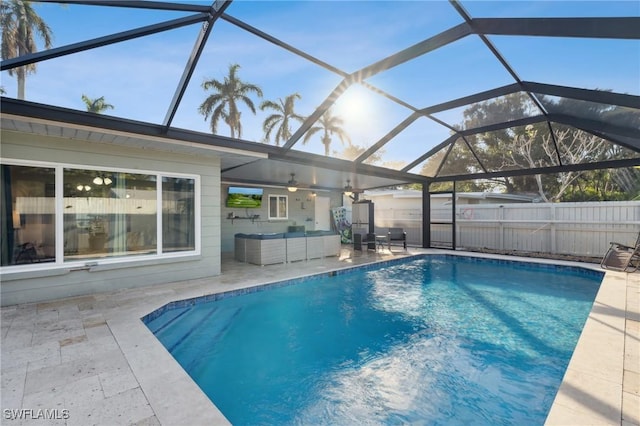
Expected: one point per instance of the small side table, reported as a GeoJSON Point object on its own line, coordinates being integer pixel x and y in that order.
{"type": "Point", "coordinates": [380, 240]}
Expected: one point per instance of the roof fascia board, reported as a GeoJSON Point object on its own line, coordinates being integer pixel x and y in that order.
{"type": "Point", "coordinates": [101, 41]}
{"type": "Point", "coordinates": [144, 130]}
{"type": "Point", "coordinates": [72, 117]}
{"type": "Point", "coordinates": [615, 28]}
{"type": "Point", "coordinates": [122, 134]}
{"type": "Point", "coordinates": [611, 164]}
{"type": "Point", "coordinates": [220, 141]}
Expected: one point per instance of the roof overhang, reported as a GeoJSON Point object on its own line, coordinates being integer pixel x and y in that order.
{"type": "Point", "coordinates": [240, 161]}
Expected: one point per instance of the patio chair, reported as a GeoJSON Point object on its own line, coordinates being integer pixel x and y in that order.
{"type": "Point", "coordinates": [622, 258]}
{"type": "Point", "coordinates": [397, 236]}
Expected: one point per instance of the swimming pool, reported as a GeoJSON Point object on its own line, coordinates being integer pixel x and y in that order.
{"type": "Point", "coordinates": [436, 339]}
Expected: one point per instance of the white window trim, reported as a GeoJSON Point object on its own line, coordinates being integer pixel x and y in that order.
{"type": "Point", "coordinates": [91, 264]}
{"type": "Point", "coordinates": [277, 197]}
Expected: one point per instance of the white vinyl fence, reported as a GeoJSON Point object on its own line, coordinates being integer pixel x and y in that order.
{"type": "Point", "coordinates": [582, 229]}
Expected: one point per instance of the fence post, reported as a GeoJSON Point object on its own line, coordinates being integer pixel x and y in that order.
{"type": "Point", "coordinates": [554, 246]}
{"type": "Point", "coordinates": [454, 228]}
{"type": "Point", "coordinates": [501, 226]}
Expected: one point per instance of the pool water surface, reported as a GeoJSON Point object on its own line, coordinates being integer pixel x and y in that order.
{"type": "Point", "coordinates": [431, 340]}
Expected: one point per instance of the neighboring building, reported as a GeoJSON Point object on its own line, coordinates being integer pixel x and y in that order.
{"type": "Point", "coordinates": [400, 199]}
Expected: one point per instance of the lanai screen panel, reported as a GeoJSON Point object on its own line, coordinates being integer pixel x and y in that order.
{"type": "Point", "coordinates": [135, 79]}
{"type": "Point", "coordinates": [348, 35]}
{"type": "Point", "coordinates": [419, 137]}
{"type": "Point", "coordinates": [276, 72]}
{"type": "Point", "coordinates": [597, 64]}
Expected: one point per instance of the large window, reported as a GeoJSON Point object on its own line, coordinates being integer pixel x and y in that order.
{"type": "Point", "coordinates": [93, 214]}
{"type": "Point", "coordinates": [109, 214]}
{"type": "Point", "coordinates": [178, 214]}
{"type": "Point", "coordinates": [28, 213]}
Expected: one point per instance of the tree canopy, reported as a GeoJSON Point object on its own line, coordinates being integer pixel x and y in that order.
{"type": "Point", "coordinates": [21, 26]}
{"type": "Point", "coordinates": [98, 105]}
{"type": "Point", "coordinates": [330, 125]}
{"type": "Point", "coordinates": [223, 103]}
{"type": "Point", "coordinates": [539, 145]}
{"type": "Point", "coordinates": [284, 113]}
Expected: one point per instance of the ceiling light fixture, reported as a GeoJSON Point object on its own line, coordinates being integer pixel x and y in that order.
{"type": "Point", "coordinates": [102, 180]}
{"type": "Point", "coordinates": [292, 185]}
{"type": "Point", "coordinates": [348, 189]}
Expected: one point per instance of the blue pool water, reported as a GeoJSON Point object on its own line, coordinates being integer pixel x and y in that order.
{"type": "Point", "coordinates": [433, 340]}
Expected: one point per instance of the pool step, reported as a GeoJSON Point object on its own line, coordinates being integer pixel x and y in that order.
{"type": "Point", "coordinates": [203, 323]}
{"type": "Point", "coordinates": [167, 318]}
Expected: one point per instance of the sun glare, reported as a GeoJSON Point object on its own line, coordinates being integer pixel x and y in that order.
{"type": "Point", "coordinates": [352, 106]}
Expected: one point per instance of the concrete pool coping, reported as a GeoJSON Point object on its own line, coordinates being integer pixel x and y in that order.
{"type": "Point", "coordinates": [93, 355]}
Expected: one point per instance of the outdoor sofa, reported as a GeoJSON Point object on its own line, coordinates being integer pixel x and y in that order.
{"type": "Point", "coordinates": [268, 249]}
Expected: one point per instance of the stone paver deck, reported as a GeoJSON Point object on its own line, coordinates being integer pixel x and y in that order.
{"type": "Point", "coordinates": [90, 360]}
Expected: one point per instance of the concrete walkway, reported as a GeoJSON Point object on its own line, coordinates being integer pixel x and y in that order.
{"type": "Point", "coordinates": [91, 361]}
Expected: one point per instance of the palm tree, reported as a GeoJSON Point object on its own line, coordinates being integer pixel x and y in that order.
{"type": "Point", "coordinates": [97, 105]}
{"type": "Point", "coordinates": [331, 125]}
{"type": "Point", "coordinates": [20, 25]}
{"type": "Point", "coordinates": [284, 112]}
{"type": "Point", "coordinates": [223, 104]}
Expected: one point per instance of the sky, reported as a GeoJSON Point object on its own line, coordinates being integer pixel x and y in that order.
{"type": "Point", "coordinates": [139, 77]}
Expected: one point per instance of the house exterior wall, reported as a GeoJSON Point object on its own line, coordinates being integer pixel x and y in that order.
{"type": "Point", "coordinates": [59, 282]}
